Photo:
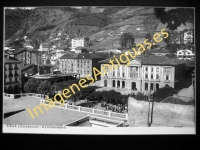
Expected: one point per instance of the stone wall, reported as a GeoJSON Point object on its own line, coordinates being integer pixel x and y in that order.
{"type": "Point", "coordinates": [164, 114]}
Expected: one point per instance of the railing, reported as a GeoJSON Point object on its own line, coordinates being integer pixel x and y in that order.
{"type": "Point", "coordinates": [101, 112]}
{"type": "Point", "coordinates": [118, 115]}
{"type": "Point", "coordinates": [71, 107]}
{"type": "Point", "coordinates": [113, 77]}
{"type": "Point", "coordinates": [84, 109]}
{"type": "Point", "coordinates": [166, 81]}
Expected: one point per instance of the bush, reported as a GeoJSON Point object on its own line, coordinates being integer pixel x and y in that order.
{"type": "Point", "coordinates": [163, 93]}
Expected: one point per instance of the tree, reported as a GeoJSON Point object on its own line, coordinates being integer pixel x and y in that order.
{"type": "Point", "coordinates": [31, 86]}
{"type": "Point", "coordinates": [174, 17]}
{"type": "Point", "coordinates": [127, 41]}
{"type": "Point", "coordinates": [44, 87]}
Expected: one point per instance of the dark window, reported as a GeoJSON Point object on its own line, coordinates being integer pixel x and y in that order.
{"type": "Point", "coordinates": [146, 76]}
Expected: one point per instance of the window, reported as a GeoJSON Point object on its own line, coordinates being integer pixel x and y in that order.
{"type": "Point", "coordinates": [157, 76]}
{"type": "Point", "coordinates": [146, 69]}
{"type": "Point", "coordinates": [167, 77]}
{"type": "Point", "coordinates": [113, 73]}
{"type": "Point", "coordinates": [157, 69]}
{"type": "Point", "coordinates": [151, 76]}
{"type": "Point", "coordinates": [146, 76]}
{"type": "Point", "coordinates": [179, 53]}
{"type": "Point", "coordinates": [151, 69]}
{"type": "Point", "coordinates": [123, 74]}
{"type": "Point", "coordinates": [167, 70]}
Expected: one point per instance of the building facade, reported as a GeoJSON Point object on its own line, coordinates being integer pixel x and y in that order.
{"type": "Point", "coordinates": [79, 63]}
{"type": "Point", "coordinates": [143, 73]}
{"type": "Point", "coordinates": [79, 42]}
{"type": "Point", "coordinates": [12, 76]}
{"type": "Point", "coordinates": [29, 56]}
{"type": "Point", "coordinates": [185, 54]}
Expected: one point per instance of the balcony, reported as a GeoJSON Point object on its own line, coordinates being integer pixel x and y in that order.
{"type": "Point", "coordinates": [157, 80]}
{"type": "Point", "coordinates": [113, 77]}
{"type": "Point", "coordinates": [105, 77]}
{"type": "Point", "coordinates": [118, 77]}
{"type": "Point", "coordinates": [151, 80]}
{"type": "Point", "coordinates": [166, 81]}
{"type": "Point", "coordinates": [146, 79]}
{"type": "Point", "coordinates": [124, 78]}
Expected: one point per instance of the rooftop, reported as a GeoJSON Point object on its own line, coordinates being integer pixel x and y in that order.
{"type": "Point", "coordinates": [150, 60]}
{"type": "Point", "coordinates": [48, 76]}
{"type": "Point", "coordinates": [80, 56]}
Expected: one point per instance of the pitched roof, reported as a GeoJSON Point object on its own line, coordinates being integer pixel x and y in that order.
{"type": "Point", "coordinates": [88, 56]}
{"type": "Point", "coordinates": [80, 47]}
{"type": "Point", "coordinates": [27, 66]}
{"type": "Point", "coordinates": [69, 56]}
{"type": "Point", "coordinates": [19, 50]}
{"type": "Point", "coordinates": [6, 60]}
{"type": "Point", "coordinates": [149, 60]}
{"type": "Point", "coordinates": [80, 56]}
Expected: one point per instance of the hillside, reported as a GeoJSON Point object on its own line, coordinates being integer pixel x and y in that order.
{"type": "Point", "coordinates": [103, 25]}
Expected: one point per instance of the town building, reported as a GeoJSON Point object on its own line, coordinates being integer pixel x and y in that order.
{"type": "Point", "coordinates": [145, 72]}
{"type": "Point", "coordinates": [81, 50]}
{"type": "Point", "coordinates": [29, 56]}
{"type": "Point", "coordinates": [55, 55]}
{"type": "Point", "coordinates": [79, 63]}
{"type": "Point", "coordinates": [79, 41]}
{"type": "Point", "coordinates": [12, 76]}
{"type": "Point", "coordinates": [185, 54]}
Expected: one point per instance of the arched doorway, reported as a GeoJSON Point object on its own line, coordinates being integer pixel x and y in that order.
{"type": "Point", "coordinates": [118, 84]}
{"type": "Point", "coordinates": [123, 84]}
{"type": "Point", "coordinates": [113, 83]}
{"type": "Point", "coordinates": [133, 85]}
{"type": "Point", "coordinates": [157, 86]}
{"type": "Point", "coordinates": [151, 86]}
{"type": "Point", "coordinates": [105, 82]}
{"type": "Point", "coordinates": [146, 86]}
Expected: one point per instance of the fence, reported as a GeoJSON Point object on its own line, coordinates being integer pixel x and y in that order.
{"type": "Point", "coordinates": [24, 95]}
{"type": "Point", "coordinates": [90, 110]}
{"type": "Point", "coordinates": [72, 107]}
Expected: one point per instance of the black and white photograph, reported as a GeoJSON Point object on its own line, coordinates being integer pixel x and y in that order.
{"type": "Point", "coordinates": [79, 69]}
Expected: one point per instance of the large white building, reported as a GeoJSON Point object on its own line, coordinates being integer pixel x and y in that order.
{"type": "Point", "coordinates": [79, 42]}
{"type": "Point", "coordinates": [144, 73]}
{"type": "Point", "coordinates": [185, 54]}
